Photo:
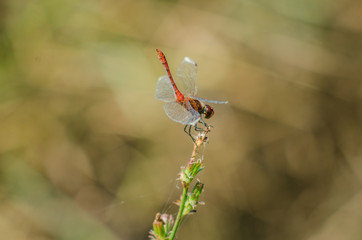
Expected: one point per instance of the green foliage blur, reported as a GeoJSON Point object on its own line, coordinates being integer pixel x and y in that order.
{"type": "Point", "coordinates": [86, 152]}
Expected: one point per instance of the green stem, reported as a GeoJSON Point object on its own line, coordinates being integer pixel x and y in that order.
{"type": "Point", "coordinates": [180, 213]}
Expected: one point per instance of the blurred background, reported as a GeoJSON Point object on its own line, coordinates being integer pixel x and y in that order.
{"type": "Point", "coordinates": [86, 152]}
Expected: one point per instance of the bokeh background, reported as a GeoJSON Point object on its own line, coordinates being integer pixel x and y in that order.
{"type": "Point", "coordinates": [86, 152]}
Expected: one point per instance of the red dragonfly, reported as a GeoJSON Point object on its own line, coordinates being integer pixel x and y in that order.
{"type": "Point", "coordinates": [183, 108]}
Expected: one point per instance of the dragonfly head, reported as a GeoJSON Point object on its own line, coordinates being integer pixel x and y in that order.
{"type": "Point", "coordinates": [208, 111]}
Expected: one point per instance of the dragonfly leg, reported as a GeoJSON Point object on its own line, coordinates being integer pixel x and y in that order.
{"type": "Point", "coordinates": [189, 132]}
{"type": "Point", "coordinates": [202, 121]}
{"type": "Point", "coordinates": [205, 124]}
{"type": "Point", "coordinates": [198, 129]}
{"type": "Point", "coordinates": [185, 129]}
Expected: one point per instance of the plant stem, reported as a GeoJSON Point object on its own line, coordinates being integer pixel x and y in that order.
{"type": "Point", "coordinates": [185, 186]}
{"type": "Point", "coordinates": [180, 213]}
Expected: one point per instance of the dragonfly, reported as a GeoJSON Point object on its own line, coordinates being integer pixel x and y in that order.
{"type": "Point", "coordinates": [184, 108]}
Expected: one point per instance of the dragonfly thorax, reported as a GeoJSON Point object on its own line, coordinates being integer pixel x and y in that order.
{"type": "Point", "coordinates": [202, 108]}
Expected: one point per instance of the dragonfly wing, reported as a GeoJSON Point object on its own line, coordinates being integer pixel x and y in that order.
{"type": "Point", "coordinates": [184, 115]}
{"type": "Point", "coordinates": [186, 74]}
{"type": "Point", "coordinates": [210, 101]}
{"type": "Point", "coordinates": [164, 90]}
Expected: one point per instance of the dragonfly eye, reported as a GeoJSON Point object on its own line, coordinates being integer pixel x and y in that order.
{"type": "Point", "coordinates": [208, 111]}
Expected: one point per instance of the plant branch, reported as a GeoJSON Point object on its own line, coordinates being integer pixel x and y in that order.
{"type": "Point", "coordinates": [180, 213]}
{"type": "Point", "coordinates": [188, 201]}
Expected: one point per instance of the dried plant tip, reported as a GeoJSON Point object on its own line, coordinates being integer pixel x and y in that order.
{"type": "Point", "coordinates": [199, 141]}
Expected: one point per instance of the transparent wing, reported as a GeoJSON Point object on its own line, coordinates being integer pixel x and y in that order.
{"type": "Point", "coordinates": [210, 101]}
{"type": "Point", "coordinates": [164, 90]}
{"type": "Point", "coordinates": [186, 74]}
{"type": "Point", "coordinates": [180, 114]}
